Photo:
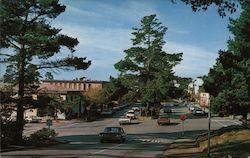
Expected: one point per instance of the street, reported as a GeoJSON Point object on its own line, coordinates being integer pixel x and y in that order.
{"type": "Point", "coordinates": [146, 139]}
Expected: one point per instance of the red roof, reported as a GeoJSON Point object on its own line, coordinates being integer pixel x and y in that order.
{"type": "Point", "coordinates": [76, 81]}
{"type": "Point", "coordinates": [53, 88]}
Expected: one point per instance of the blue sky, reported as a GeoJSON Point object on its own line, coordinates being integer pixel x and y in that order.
{"type": "Point", "coordinates": [103, 28]}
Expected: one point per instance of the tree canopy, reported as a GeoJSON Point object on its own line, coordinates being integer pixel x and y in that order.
{"type": "Point", "coordinates": [147, 71]}
{"type": "Point", "coordinates": [223, 6]}
{"type": "Point", "coordinates": [229, 80]}
{"type": "Point", "coordinates": [29, 43]}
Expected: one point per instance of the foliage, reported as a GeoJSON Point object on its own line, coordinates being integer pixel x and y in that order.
{"type": "Point", "coordinates": [43, 135]}
{"type": "Point", "coordinates": [114, 90]}
{"type": "Point", "coordinates": [223, 6]}
{"type": "Point", "coordinates": [9, 132]}
{"type": "Point", "coordinates": [30, 44]}
{"type": "Point", "coordinates": [49, 76]}
{"type": "Point", "coordinates": [146, 71]}
{"type": "Point", "coordinates": [7, 101]}
{"type": "Point", "coordinates": [48, 104]}
{"type": "Point", "coordinates": [93, 95]}
{"type": "Point", "coordinates": [180, 91]}
{"type": "Point", "coordinates": [229, 80]}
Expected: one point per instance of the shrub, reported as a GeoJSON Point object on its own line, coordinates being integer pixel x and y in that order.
{"type": "Point", "coordinates": [9, 131]}
{"type": "Point", "coordinates": [43, 135]}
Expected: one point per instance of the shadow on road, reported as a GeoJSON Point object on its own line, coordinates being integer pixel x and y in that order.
{"type": "Point", "coordinates": [92, 141]}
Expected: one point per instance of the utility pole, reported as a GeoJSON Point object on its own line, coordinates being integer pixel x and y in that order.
{"type": "Point", "coordinates": [193, 90]}
{"type": "Point", "coordinates": [208, 133]}
{"type": "Point", "coordinates": [205, 102]}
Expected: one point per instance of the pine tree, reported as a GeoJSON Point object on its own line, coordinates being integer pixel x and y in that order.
{"type": "Point", "coordinates": [29, 43]}
{"type": "Point", "coordinates": [229, 80]}
{"type": "Point", "coordinates": [146, 71]}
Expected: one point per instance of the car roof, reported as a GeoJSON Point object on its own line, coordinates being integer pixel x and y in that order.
{"type": "Point", "coordinates": [113, 127]}
{"type": "Point", "coordinates": [163, 116]}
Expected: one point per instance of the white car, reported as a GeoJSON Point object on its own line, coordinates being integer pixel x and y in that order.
{"type": "Point", "coordinates": [191, 108]}
{"type": "Point", "coordinates": [130, 114]}
{"type": "Point", "coordinates": [136, 108]}
{"type": "Point", "coordinates": [124, 120]}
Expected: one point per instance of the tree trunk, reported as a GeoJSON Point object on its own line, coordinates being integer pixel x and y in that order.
{"type": "Point", "coordinates": [244, 118]}
{"type": "Point", "coordinates": [20, 104]}
{"type": "Point", "coordinates": [147, 109]}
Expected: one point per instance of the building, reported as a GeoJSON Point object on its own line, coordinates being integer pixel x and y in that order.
{"type": "Point", "coordinates": [76, 85]}
{"type": "Point", "coordinates": [194, 88]}
{"type": "Point", "coordinates": [72, 91]}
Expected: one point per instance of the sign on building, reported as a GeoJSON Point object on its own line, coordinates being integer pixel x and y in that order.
{"type": "Point", "coordinates": [204, 99]}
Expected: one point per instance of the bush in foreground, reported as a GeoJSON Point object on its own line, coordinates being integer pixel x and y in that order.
{"type": "Point", "coordinates": [43, 136]}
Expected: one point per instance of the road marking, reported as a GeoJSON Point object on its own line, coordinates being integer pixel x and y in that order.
{"type": "Point", "coordinates": [238, 123]}
{"type": "Point", "coordinates": [100, 151]}
{"type": "Point", "coordinates": [66, 126]}
{"type": "Point", "coordinates": [217, 121]}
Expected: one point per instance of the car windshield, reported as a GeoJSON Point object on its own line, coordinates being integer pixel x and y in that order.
{"type": "Point", "coordinates": [112, 130]}
{"type": "Point", "coordinates": [197, 109]}
{"type": "Point", "coordinates": [163, 117]}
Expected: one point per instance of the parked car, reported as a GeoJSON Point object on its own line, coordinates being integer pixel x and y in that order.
{"type": "Point", "coordinates": [162, 120]}
{"type": "Point", "coordinates": [167, 109]}
{"type": "Point", "coordinates": [199, 112]}
{"type": "Point", "coordinates": [35, 119]}
{"type": "Point", "coordinates": [112, 134]}
{"type": "Point", "coordinates": [136, 108]}
{"type": "Point", "coordinates": [130, 114]}
{"type": "Point", "coordinates": [191, 108]}
{"type": "Point", "coordinates": [124, 120]}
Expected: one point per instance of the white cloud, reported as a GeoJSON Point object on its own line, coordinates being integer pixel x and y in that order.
{"type": "Point", "coordinates": [178, 31]}
{"type": "Point", "coordinates": [81, 12]}
{"type": "Point", "coordinates": [196, 60]}
{"type": "Point", "coordinates": [131, 11]}
{"type": "Point", "coordinates": [103, 46]}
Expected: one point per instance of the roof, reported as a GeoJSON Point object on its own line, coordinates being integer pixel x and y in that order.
{"type": "Point", "coordinates": [77, 81]}
{"type": "Point", "coordinates": [53, 88]}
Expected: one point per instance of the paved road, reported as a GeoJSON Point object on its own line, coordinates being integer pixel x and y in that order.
{"type": "Point", "coordinates": [145, 139]}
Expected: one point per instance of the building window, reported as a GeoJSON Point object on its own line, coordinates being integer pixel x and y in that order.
{"type": "Point", "coordinates": [89, 86]}
{"type": "Point", "coordinates": [84, 86]}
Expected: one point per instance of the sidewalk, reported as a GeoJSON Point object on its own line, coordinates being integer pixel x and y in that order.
{"type": "Point", "coordinates": [230, 141]}
{"type": "Point", "coordinates": [182, 147]}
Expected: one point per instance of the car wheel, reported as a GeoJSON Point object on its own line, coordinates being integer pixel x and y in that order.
{"type": "Point", "coordinates": [122, 140]}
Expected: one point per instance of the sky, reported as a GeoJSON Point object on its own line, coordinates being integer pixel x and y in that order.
{"type": "Point", "coordinates": [104, 27]}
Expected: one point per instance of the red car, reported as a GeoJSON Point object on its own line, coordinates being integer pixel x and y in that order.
{"type": "Point", "coordinates": [163, 120]}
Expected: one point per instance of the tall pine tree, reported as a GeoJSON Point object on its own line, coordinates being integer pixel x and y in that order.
{"type": "Point", "coordinates": [147, 71]}
{"type": "Point", "coordinates": [30, 44]}
{"type": "Point", "coordinates": [229, 80]}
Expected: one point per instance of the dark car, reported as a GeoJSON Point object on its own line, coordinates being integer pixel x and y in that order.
{"type": "Point", "coordinates": [163, 120]}
{"type": "Point", "coordinates": [113, 134]}
{"type": "Point", "coordinates": [167, 109]}
{"type": "Point", "coordinates": [199, 112]}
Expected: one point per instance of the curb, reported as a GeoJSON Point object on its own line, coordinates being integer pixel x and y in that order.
{"type": "Point", "coordinates": [18, 148]}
